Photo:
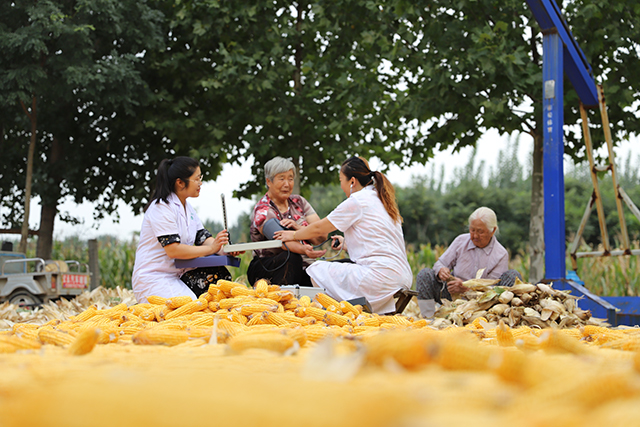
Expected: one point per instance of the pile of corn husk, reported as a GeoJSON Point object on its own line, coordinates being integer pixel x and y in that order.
{"type": "Point", "coordinates": [523, 304]}
{"type": "Point", "coordinates": [63, 308]}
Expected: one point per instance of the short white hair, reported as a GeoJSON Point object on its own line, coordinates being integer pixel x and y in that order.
{"type": "Point", "coordinates": [487, 216]}
{"type": "Point", "coordinates": [278, 165]}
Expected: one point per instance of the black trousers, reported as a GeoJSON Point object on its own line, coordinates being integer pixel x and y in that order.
{"type": "Point", "coordinates": [286, 268]}
{"type": "Point", "coordinates": [199, 279]}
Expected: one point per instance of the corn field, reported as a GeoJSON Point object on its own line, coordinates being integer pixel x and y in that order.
{"type": "Point", "coordinates": [609, 276]}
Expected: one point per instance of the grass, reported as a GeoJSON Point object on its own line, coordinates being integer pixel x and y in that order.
{"type": "Point", "coordinates": [607, 276]}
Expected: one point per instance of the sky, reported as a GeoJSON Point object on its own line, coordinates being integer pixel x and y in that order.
{"type": "Point", "coordinates": [209, 205]}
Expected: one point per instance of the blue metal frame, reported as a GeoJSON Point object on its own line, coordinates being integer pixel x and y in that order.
{"type": "Point", "coordinates": [561, 54]}
{"type": "Point", "coordinates": [553, 121]}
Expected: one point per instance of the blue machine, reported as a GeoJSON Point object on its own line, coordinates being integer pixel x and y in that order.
{"type": "Point", "coordinates": [563, 55]}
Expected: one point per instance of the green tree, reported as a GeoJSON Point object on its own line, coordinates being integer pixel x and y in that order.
{"type": "Point", "coordinates": [79, 62]}
{"type": "Point", "coordinates": [307, 80]}
{"type": "Point", "coordinates": [474, 65]}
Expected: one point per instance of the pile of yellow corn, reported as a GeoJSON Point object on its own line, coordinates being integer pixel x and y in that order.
{"type": "Point", "coordinates": [241, 356]}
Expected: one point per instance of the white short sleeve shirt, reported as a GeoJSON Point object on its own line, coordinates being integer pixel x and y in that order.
{"type": "Point", "coordinates": [154, 273]}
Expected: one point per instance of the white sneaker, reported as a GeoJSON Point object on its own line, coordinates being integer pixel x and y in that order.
{"type": "Point", "coordinates": [427, 308]}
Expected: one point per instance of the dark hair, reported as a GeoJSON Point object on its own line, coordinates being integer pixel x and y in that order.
{"type": "Point", "coordinates": [169, 171]}
{"type": "Point", "coordinates": [358, 168]}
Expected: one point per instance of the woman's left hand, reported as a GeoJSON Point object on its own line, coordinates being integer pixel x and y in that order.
{"type": "Point", "coordinates": [290, 224]}
{"type": "Point", "coordinates": [284, 235]}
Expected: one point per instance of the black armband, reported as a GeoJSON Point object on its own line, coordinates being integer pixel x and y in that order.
{"type": "Point", "coordinates": [202, 235]}
{"type": "Point", "coordinates": [169, 239]}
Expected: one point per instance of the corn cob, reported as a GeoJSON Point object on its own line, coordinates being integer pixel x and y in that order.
{"type": "Point", "coordinates": [235, 316]}
{"type": "Point", "coordinates": [396, 319]}
{"type": "Point", "coordinates": [274, 288]}
{"type": "Point", "coordinates": [347, 307]}
{"type": "Point", "coordinates": [20, 343]}
{"type": "Point", "coordinates": [49, 335]}
{"type": "Point", "coordinates": [411, 350]}
{"type": "Point", "coordinates": [7, 348]}
{"type": "Point", "coordinates": [148, 315]}
{"type": "Point", "coordinates": [85, 315]}
{"type": "Point", "coordinates": [137, 309]}
{"type": "Point", "coordinates": [298, 334]}
{"type": "Point", "coordinates": [365, 320]}
{"type": "Point", "coordinates": [291, 305]}
{"type": "Point", "coordinates": [242, 291]}
{"type": "Point", "coordinates": [504, 336]}
{"type": "Point", "coordinates": [26, 330]}
{"type": "Point", "coordinates": [200, 332]}
{"type": "Point", "coordinates": [273, 341]}
{"type": "Point", "coordinates": [85, 342]}
{"type": "Point", "coordinates": [335, 319]}
{"type": "Point", "coordinates": [156, 300]}
{"type": "Point", "coordinates": [214, 306]}
{"type": "Point", "coordinates": [226, 286]}
{"type": "Point", "coordinates": [229, 303]}
{"type": "Point", "coordinates": [177, 302]}
{"type": "Point", "coordinates": [326, 301]}
{"type": "Point", "coordinates": [420, 323]}
{"type": "Point", "coordinates": [206, 296]}
{"type": "Point", "coordinates": [232, 328]}
{"type": "Point", "coordinates": [317, 313]}
{"type": "Point", "coordinates": [554, 341]}
{"type": "Point", "coordinates": [317, 333]}
{"type": "Point", "coordinates": [108, 335]}
{"type": "Point", "coordinates": [256, 319]}
{"type": "Point", "coordinates": [160, 335]}
{"type": "Point", "coordinates": [191, 307]}
{"type": "Point", "coordinates": [114, 310]}
{"type": "Point", "coordinates": [510, 366]}
{"type": "Point", "coordinates": [130, 329]}
{"type": "Point", "coordinates": [275, 319]}
{"type": "Point", "coordinates": [205, 320]}
{"type": "Point", "coordinates": [262, 288]}
{"type": "Point", "coordinates": [247, 309]}
{"type": "Point", "coordinates": [305, 301]}
{"type": "Point", "coordinates": [161, 312]}
{"type": "Point", "coordinates": [461, 351]}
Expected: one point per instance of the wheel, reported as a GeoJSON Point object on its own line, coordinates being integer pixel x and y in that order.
{"type": "Point", "coordinates": [24, 298]}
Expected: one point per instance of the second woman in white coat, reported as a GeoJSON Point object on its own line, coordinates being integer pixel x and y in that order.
{"type": "Point", "coordinates": [371, 223]}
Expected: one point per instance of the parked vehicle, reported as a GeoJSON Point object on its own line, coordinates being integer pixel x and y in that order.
{"type": "Point", "coordinates": [32, 281]}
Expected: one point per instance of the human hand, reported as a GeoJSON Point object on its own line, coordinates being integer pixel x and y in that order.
{"type": "Point", "coordinates": [444, 274]}
{"type": "Point", "coordinates": [337, 243]}
{"type": "Point", "coordinates": [312, 253]}
{"type": "Point", "coordinates": [221, 239]}
{"type": "Point", "coordinates": [290, 224]}
{"type": "Point", "coordinates": [455, 286]}
{"type": "Point", "coordinates": [284, 235]}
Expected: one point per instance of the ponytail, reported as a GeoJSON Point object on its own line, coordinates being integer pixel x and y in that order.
{"type": "Point", "coordinates": [169, 171]}
{"type": "Point", "coordinates": [358, 168]}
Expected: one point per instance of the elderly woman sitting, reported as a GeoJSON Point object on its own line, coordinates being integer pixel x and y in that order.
{"type": "Point", "coordinates": [465, 256]}
{"type": "Point", "coordinates": [285, 265]}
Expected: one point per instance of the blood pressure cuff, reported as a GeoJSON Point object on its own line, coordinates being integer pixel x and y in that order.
{"type": "Point", "coordinates": [270, 227]}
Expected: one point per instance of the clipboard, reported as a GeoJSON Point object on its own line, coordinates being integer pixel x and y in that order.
{"type": "Point", "coordinates": [243, 247]}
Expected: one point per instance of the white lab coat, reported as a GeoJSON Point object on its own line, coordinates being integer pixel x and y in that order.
{"type": "Point", "coordinates": [154, 273]}
{"type": "Point", "coordinates": [376, 245]}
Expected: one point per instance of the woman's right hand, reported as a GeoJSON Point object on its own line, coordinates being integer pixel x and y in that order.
{"type": "Point", "coordinates": [221, 239]}
{"type": "Point", "coordinates": [444, 274]}
{"type": "Point", "coordinates": [312, 253]}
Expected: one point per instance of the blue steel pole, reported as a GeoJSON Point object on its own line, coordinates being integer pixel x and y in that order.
{"type": "Point", "coordinates": [553, 152]}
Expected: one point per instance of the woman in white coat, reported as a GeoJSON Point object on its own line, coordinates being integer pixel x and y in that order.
{"type": "Point", "coordinates": [172, 230]}
{"type": "Point", "coordinates": [371, 223]}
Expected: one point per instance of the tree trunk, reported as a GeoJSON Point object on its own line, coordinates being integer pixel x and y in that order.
{"type": "Point", "coordinates": [24, 232]}
{"type": "Point", "coordinates": [49, 203]}
{"type": "Point", "coordinates": [536, 225]}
